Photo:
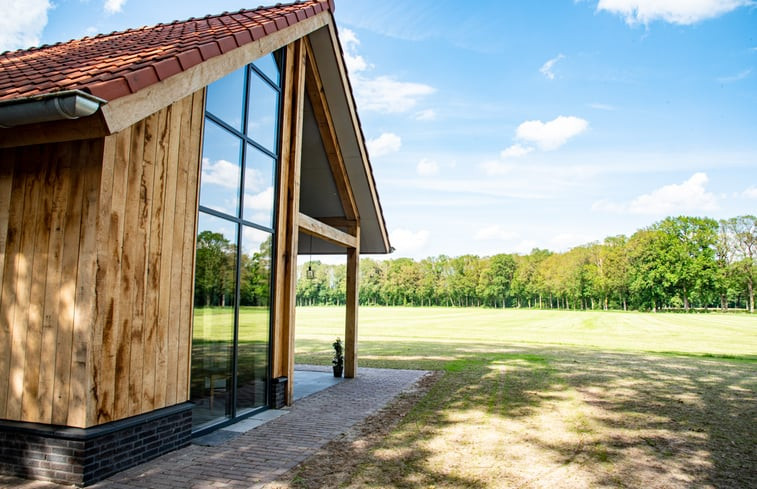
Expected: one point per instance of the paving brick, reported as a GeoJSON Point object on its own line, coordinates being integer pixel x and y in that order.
{"type": "Point", "coordinates": [262, 454]}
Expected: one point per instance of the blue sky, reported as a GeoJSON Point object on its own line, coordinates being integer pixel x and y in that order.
{"type": "Point", "coordinates": [499, 126]}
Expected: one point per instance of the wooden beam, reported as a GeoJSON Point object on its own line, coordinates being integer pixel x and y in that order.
{"type": "Point", "coordinates": [350, 324]}
{"type": "Point", "coordinates": [350, 225]}
{"type": "Point", "coordinates": [325, 121]}
{"type": "Point", "coordinates": [318, 229]}
{"type": "Point", "coordinates": [289, 212]}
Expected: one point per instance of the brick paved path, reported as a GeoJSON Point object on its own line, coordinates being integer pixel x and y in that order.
{"type": "Point", "coordinates": [264, 453]}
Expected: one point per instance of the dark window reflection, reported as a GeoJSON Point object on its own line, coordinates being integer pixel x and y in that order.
{"type": "Point", "coordinates": [221, 172]}
{"type": "Point", "coordinates": [269, 66]}
{"type": "Point", "coordinates": [258, 187]}
{"type": "Point", "coordinates": [213, 332]}
{"type": "Point", "coordinates": [226, 99]}
{"type": "Point", "coordinates": [262, 112]}
{"type": "Point", "coordinates": [254, 317]}
{"type": "Point", "coordinates": [233, 260]}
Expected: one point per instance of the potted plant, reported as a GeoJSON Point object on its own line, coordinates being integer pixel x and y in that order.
{"type": "Point", "coordinates": [338, 361]}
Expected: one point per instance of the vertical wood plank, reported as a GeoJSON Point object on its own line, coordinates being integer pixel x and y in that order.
{"type": "Point", "coordinates": [9, 214]}
{"type": "Point", "coordinates": [113, 354]}
{"type": "Point", "coordinates": [41, 223]}
{"type": "Point", "coordinates": [6, 185]}
{"type": "Point", "coordinates": [152, 295]}
{"type": "Point", "coordinates": [130, 332]}
{"type": "Point", "coordinates": [24, 269]}
{"type": "Point", "coordinates": [172, 374]}
{"type": "Point", "coordinates": [90, 161]}
{"type": "Point", "coordinates": [168, 148]}
{"type": "Point", "coordinates": [192, 161]}
{"type": "Point", "coordinates": [163, 381]}
{"type": "Point", "coordinates": [66, 294]}
{"type": "Point", "coordinates": [61, 190]}
{"type": "Point", "coordinates": [102, 360]}
{"type": "Point", "coordinates": [143, 160]}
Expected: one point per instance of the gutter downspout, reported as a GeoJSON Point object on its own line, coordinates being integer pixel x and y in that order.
{"type": "Point", "coordinates": [70, 104]}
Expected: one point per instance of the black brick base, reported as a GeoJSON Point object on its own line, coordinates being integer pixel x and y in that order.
{"type": "Point", "coordinates": [85, 456]}
{"type": "Point", "coordinates": [278, 395]}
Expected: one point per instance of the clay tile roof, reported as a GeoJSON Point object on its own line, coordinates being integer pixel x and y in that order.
{"type": "Point", "coordinates": [113, 65]}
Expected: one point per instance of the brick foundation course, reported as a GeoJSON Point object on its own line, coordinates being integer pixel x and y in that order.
{"type": "Point", "coordinates": [84, 456]}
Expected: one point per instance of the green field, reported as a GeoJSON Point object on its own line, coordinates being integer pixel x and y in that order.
{"type": "Point", "coordinates": [552, 399]}
{"type": "Point", "coordinates": [427, 337]}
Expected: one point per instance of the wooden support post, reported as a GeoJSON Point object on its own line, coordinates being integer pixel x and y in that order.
{"type": "Point", "coordinates": [353, 297]}
{"type": "Point", "coordinates": [289, 211]}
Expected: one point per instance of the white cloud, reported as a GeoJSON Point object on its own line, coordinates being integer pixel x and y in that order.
{"type": "Point", "coordinates": [385, 94]}
{"type": "Point", "coordinates": [684, 12]}
{"type": "Point", "coordinates": [426, 115]}
{"type": "Point", "coordinates": [689, 196]}
{"type": "Point", "coordinates": [260, 202]}
{"type": "Point", "coordinates": [553, 134]}
{"type": "Point", "coordinates": [383, 145]}
{"type": "Point", "coordinates": [495, 232]}
{"type": "Point", "coordinates": [494, 168]}
{"type": "Point", "coordinates": [381, 93]}
{"type": "Point", "coordinates": [114, 6]}
{"type": "Point", "coordinates": [566, 241]}
{"type": "Point", "coordinates": [22, 22]}
{"type": "Point", "coordinates": [602, 107]}
{"type": "Point", "coordinates": [406, 242]}
{"type": "Point", "coordinates": [355, 62]}
{"type": "Point", "coordinates": [427, 168]}
{"type": "Point", "coordinates": [525, 247]}
{"type": "Point", "coordinates": [750, 193]}
{"type": "Point", "coordinates": [222, 173]}
{"type": "Point", "coordinates": [546, 68]}
{"type": "Point", "coordinates": [515, 151]}
{"type": "Point", "coordinates": [738, 77]}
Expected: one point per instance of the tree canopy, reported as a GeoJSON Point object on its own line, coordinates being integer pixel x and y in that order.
{"type": "Point", "coordinates": [677, 263]}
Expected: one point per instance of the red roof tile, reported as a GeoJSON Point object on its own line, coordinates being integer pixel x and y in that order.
{"type": "Point", "coordinates": [120, 63]}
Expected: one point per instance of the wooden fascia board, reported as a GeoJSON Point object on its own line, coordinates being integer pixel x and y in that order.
{"type": "Point", "coordinates": [91, 127]}
{"type": "Point", "coordinates": [125, 111]}
{"type": "Point", "coordinates": [325, 122]}
{"type": "Point", "coordinates": [318, 229]}
{"type": "Point", "coordinates": [355, 121]}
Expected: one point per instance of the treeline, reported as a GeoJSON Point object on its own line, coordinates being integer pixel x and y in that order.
{"type": "Point", "coordinates": [677, 263]}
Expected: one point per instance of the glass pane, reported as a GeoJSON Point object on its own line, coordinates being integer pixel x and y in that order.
{"type": "Point", "coordinates": [269, 66]}
{"type": "Point", "coordinates": [213, 333]}
{"type": "Point", "coordinates": [254, 318]}
{"type": "Point", "coordinates": [262, 119]}
{"type": "Point", "coordinates": [226, 99]}
{"type": "Point", "coordinates": [258, 187]}
{"type": "Point", "coordinates": [221, 172]}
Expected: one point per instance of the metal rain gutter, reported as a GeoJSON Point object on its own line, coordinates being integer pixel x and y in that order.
{"type": "Point", "coordinates": [70, 104]}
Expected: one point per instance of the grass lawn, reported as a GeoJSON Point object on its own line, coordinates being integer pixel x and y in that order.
{"type": "Point", "coordinates": [557, 399]}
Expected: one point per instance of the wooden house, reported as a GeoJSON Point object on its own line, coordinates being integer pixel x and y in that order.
{"type": "Point", "coordinates": [156, 186]}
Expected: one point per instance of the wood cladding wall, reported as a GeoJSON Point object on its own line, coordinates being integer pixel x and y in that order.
{"type": "Point", "coordinates": [96, 264]}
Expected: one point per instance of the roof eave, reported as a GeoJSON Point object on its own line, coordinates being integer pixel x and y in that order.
{"type": "Point", "coordinates": [329, 56]}
{"type": "Point", "coordinates": [125, 111]}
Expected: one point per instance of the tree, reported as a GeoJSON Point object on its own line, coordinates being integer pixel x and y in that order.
{"type": "Point", "coordinates": [687, 245]}
{"type": "Point", "coordinates": [743, 235]}
{"type": "Point", "coordinates": [214, 269]}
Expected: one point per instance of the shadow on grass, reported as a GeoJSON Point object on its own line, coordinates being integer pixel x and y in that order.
{"type": "Point", "coordinates": [514, 416]}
